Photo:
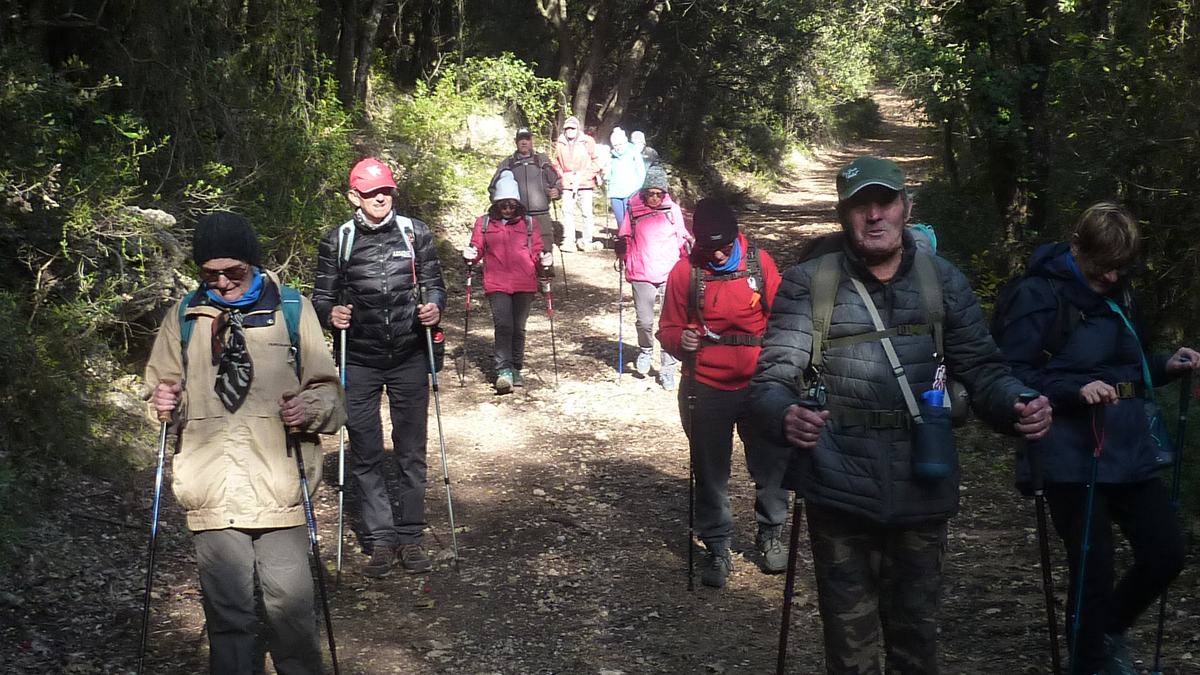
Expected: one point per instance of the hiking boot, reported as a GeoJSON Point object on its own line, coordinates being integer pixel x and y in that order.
{"type": "Point", "coordinates": [774, 553]}
{"type": "Point", "coordinates": [1117, 660]}
{"type": "Point", "coordinates": [380, 564]}
{"type": "Point", "coordinates": [642, 365]}
{"type": "Point", "coordinates": [718, 563]}
{"type": "Point", "coordinates": [596, 246]}
{"type": "Point", "coordinates": [504, 383]}
{"type": "Point", "coordinates": [516, 379]}
{"type": "Point", "coordinates": [667, 380]}
{"type": "Point", "coordinates": [584, 246]}
{"type": "Point", "coordinates": [414, 559]}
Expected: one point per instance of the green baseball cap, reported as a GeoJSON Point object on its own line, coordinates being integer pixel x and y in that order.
{"type": "Point", "coordinates": [864, 171]}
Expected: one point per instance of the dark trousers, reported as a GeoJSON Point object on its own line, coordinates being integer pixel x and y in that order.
{"type": "Point", "coordinates": [408, 401]}
{"type": "Point", "coordinates": [510, 312]}
{"type": "Point", "coordinates": [228, 561]}
{"type": "Point", "coordinates": [1143, 512]}
{"type": "Point", "coordinates": [545, 225]}
{"type": "Point", "coordinates": [871, 576]}
{"type": "Point", "coordinates": [710, 435]}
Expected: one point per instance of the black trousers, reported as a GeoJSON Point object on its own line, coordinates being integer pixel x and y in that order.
{"type": "Point", "coordinates": [710, 430]}
{"type": "Point", "coordinates": [1143, 513]}
{"type": "Point", "coordinates": [407, 387]}
{"type": "Point", "coordinates": [510, 312]}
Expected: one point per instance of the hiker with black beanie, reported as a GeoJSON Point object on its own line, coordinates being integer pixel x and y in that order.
{"type": "Point", "coordinates": [238, 391]}
{"type": "Point", "coordinates": [713, 317]}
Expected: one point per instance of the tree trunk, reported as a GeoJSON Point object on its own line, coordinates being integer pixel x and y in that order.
{"type": "Point", "coordinates": [329, 25]}
{"type": "Point", "coordinates": [630, 67]}
{"type": "Point", "coordinates": [1031, 103]}
{"type": "Point", "coordinates": [596, 49]}
{"type": "Point", "coordinates": [344, 68]}
{"type": "Point", "coordinates": [949, 158]}
{"type": "Point", "coordinates": [366, 43]}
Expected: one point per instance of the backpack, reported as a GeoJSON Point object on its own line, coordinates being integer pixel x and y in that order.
{"type": "Point", "coordinates": [753, 271]}
{"type": "Point", "coordinates": [929, 285]}
{"type": "Point", "coordinates": [528, 232]}
{"type": "Point", "coordinates": [1066, 316]}
{"type": "Point", "coordinates": [290, 302]}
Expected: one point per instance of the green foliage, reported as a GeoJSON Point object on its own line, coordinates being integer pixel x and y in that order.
{"type": "Point", "coordinates": [437, 166]}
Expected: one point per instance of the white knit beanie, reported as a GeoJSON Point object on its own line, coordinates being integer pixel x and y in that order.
{"type": "Point", "coordinates": [506, 188]}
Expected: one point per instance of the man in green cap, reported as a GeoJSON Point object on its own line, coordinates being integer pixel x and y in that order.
{"type": "Point", "coordinates": [856, 337]}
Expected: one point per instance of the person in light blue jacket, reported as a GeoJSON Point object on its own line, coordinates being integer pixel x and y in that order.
{"type": "Point", "coordinates": [625, 173]}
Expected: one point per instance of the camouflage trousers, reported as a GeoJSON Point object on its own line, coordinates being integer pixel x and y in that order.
{"type": "Point", "coordinates": [872, 577]}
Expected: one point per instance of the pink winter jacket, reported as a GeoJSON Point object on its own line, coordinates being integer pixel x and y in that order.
{"type": "Point", "coordinates": [509, 265]}
{"type": "Point", "coordinates": [576, 162]}
{"type": "Point", "coordinates": [656, 239]}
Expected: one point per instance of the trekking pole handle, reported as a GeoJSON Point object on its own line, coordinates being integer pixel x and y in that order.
{"type": "Point", "coordinates": [165, 415]}
{"type": "Point", "coordinates": [1034, 455]}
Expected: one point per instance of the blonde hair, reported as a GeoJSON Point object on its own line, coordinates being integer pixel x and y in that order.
{"type": "Point", "coordinates": [1106, 238]}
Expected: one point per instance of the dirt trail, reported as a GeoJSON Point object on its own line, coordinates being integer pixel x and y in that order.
{"type": "Point", "coordinates": [571, 502]}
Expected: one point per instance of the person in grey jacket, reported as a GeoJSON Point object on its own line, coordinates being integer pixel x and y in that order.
{"type": "Point", "coordinates": [876, 525]}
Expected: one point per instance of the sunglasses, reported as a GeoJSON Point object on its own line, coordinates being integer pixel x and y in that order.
{"type": "Point", "coordinates": [656, 193]}
{"type": "Point", "coordinates": [234, 274]}
{"type": "Point", "coordinates": [507, 205]}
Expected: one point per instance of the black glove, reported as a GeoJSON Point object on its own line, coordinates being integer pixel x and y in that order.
{"type": "Point", "coordinates": [620, 246]}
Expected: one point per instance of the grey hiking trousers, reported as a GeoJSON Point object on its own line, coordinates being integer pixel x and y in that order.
{"type": "Point", "coordinates": [229, 560]}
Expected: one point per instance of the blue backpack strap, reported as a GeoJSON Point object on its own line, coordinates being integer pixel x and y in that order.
{"type": "Point", "coordinates": [291, 317]}
{"type": "Point", "coordinates": [185, 327]}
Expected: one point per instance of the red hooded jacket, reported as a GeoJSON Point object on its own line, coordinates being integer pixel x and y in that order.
{"type": "Point", "coordinates": [509, 262]}
{"type": "Point", "coordinates": [731, 306]}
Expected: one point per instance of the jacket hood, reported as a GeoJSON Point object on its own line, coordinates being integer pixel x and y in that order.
{"type": "Point", "coordinates": [1054, 261]}
{"type": "Point", "coordinates": [638, 208]}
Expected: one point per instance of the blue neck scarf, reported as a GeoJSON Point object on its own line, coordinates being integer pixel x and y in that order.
{"type": "Point", "coordinates": [248, 298]}
{"type": "Point", "coordinates": [732, 262]}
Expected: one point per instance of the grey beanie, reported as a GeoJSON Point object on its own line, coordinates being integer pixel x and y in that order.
{"type": "Point", "coordinates": [656, 177]}
{"type": "Point", "coordinates": [225, 235]}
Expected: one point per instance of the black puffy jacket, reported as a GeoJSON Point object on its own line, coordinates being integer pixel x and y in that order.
{"type": "Point", "coordinates": [378, 282]}
{"type": "Point", "coordinates": [862, 470]}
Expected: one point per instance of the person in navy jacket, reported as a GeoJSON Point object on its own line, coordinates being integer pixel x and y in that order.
{"type": "Point", "coordinates": [1070, 332]}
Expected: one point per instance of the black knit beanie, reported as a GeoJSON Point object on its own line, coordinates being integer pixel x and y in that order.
{"type": "Point", "coordinates": [225, 235]}
{"type": "Point", "coordinates": [715, 224]}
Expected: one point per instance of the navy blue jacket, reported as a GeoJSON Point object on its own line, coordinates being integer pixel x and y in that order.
{"type": "Point", "coordinates": [1098, 347]}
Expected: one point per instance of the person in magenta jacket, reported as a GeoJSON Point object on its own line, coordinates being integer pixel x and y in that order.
{"type": "Point", "coordinates": [510, 246]}
{"type": "Point", "coordinates": [651, 238]}
{"type": "Point", "coordinates": [718, 333]}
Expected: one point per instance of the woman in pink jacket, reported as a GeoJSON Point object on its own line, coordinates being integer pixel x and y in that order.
{"type": "Point", "coordinates": [651, 239]}
{"type": "Point", "coordinates": [510, 246]}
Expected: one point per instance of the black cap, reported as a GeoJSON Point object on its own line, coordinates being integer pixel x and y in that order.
{"type": "Point", "coordinates": [524, 132]}
{"type": "Point", "coordinates": [225, 235]}
{"type": "Point", "coordinates": [714, 224]}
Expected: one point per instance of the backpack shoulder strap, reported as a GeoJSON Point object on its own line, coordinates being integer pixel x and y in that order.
{"type": "Point", "coordinates": [929, 284]}
{"type": "Point", "coordinates": [529, 233]}
{"type": "Point", "coordinates": [823, 291]}
{"type": "Point", "coordinates": [696, 295]}
{"type": "Point", "coordinates": [291, 304]}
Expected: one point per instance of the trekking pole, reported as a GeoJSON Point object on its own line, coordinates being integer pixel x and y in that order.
{"type": "Point", "coordinates": [813, 402]}
{"type": "Point", "coordinates": [164, 420]}
{"type": "Point", "coordinates": [1185, 397]}
{"type": "Point", "coordinates": [558, 227]}
{"type": "Point", "coordinates": [789, 584]}
{"type": "Point", "coordinates": [550, 313]}
{"type": "Point", "coordinates": [341, 518]}
{"type": "Point", "coordinates": [437, 408]}
{"type": "Point", "coordinates": [310, 519]}
{"type": "Point", "coordinates": [466, 363]}
{"type": "Point", "coordinates": [1039, 501]}
{"type": "Point", "coordinates": [691, 426]}
{"type": "Point", "coordinates": [1098, 435]}
{"type": "Point", "coordinates": [620, 320]}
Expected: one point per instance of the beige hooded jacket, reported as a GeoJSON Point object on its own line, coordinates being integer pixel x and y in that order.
{"type": "Point", "coordinates": [235, 469]}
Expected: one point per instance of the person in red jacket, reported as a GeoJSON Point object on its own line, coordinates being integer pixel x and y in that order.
{"type": "Point", "coordinates": [713, 318]}
{"type": "Point", "coordinates": [509, 243]}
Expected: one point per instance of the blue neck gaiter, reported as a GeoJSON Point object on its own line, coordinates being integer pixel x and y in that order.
{"type": "Point", "coordinates": [248, 298]}
{"type": "Point", "coordinates": [732, 262]}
